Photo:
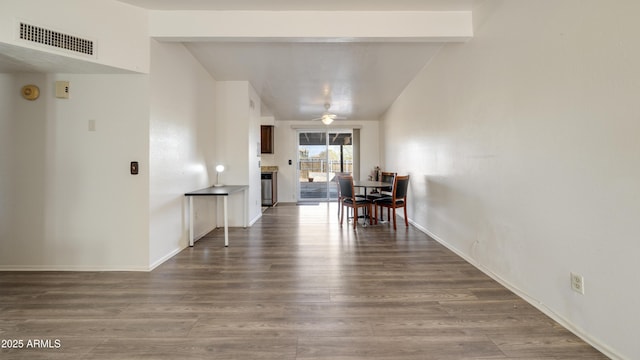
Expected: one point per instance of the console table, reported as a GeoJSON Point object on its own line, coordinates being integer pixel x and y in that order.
{"type": "Point", "coordinates": [223, 191]}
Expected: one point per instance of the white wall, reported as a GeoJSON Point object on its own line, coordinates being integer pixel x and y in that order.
{"type": "Point", "coordinates": [182, 155]}
{"type": "Point", "coordinates": [77, 180]}
{"type": "Point", "coordinates": [78, 207]}
{"type": "Point", "coordinates": [6, 148]}
{"type": "Point", "coordinates": [286, 148]}
{"type": "Point", "coordinates": [124, 46]}
{"type": "Point", "coordinates": [23, 170]}
{"type": "Point", "coordinates": [523, 150]}
{"type": "Point", "coordinates": [254, 161]}
{"type": "Point", "coordinates": [236, 140]}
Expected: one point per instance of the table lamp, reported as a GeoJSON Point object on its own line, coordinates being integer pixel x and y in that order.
{"type": "Point", "coordinates": [219, 169]}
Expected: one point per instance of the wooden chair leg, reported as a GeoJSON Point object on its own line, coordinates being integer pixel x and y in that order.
{"type": "Point", "coordinates": [394, 218]}
{"type": "Point", "coordinates": [376, 212]}
{"type": "Point", "coordinates": [355, 217]}
{"type": "Point", "coordinates": [341, 212]}
{"type": "Point", "coordinates": [406, 219]}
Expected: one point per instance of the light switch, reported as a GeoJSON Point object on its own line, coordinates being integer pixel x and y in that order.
{"type": "Point", "coordinates": [134, 168]}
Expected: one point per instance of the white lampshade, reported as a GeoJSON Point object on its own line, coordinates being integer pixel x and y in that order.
{"type": "Point", "coordinates": [219, 169]}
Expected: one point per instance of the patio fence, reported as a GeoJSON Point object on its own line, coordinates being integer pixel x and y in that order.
{"type": "Point", "coordinates": [317, 168]}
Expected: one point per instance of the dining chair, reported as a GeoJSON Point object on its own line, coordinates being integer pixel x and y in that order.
{"type": "Point", "coordinates": [335, 179]}
{"type": "Point", "coordinates": [398, 199]}
{"type": "Point", "coordinates": [387, 177]}
{"type": "Point", "coordinates": [349, 199]}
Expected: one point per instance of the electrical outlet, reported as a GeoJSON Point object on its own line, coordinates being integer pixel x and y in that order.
{"type": "Point", "coordinates": [577, 283]}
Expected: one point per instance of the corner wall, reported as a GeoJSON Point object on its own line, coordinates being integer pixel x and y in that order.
{"type": "Point", "coordinates": [523, 154]}
{"type": "Point", "coordinates": [182, 153]}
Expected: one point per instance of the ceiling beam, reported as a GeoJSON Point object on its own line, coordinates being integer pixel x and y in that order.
{"type": "Point", "coordinates": [309, 26]}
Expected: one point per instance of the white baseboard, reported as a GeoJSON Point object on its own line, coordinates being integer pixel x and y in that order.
{"type": "Point", "coordinates": [199, 236]}
{"type": "Point", "coordinates": [166, 257]}
{"type": "Point", "coordinates": [532, 301]}
{"type": "Point", "coordinates": [70, 268]}
{"type": "Point", "coordinates": [255, 219]}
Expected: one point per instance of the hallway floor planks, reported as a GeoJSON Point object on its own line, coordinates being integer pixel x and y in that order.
{"type": "Point", "coordinates": [296, 285]}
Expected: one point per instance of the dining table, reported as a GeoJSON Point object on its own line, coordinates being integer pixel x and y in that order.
{"type": "Point", "coordinates": [366, 184]}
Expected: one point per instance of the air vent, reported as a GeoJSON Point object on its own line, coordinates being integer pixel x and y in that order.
{"type": "Point", "coordinates": [55, 39]}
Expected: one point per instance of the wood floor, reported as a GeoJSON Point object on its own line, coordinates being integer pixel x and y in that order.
{"type": "Point", "coordinates": [296, 285]}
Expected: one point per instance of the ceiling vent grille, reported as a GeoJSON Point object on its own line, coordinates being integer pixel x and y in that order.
{"type": "Point", "coordinates": [56, 39]}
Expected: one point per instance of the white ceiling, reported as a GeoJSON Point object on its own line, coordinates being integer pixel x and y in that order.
{"type": "Point", "coordinates": [294, 78]}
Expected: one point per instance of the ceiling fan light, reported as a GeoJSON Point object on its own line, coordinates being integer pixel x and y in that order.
{"type": "Point", "coordinates": [327, 120]}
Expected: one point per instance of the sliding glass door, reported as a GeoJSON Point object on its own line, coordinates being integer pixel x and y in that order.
{"type": "Point", "coordinates": [321, 156]}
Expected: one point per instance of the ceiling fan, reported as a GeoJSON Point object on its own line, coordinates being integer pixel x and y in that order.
{"type": "Point", "coordinates": [327, 117]}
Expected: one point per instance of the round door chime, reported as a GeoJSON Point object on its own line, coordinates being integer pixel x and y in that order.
{"type": "Point", "coordinates": [30, 92]}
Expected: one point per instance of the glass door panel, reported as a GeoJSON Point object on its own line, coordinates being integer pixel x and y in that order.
{"type": "Point", "coordinates": [340, 159]}
{"type": "Point", "coordinates": [321, 156]}
{"type": "Point", "coordinates": [312, 148]}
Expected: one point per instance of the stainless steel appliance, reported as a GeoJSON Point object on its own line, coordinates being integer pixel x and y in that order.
{"type": "Point", "coordinates": [267, 189]}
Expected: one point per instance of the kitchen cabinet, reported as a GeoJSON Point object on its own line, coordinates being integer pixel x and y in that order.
{"type": "Point", "coordinates": [266, 139]}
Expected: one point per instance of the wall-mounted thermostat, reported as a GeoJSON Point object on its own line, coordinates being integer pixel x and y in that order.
{"type": "Point", "coordinates": [62, 89]}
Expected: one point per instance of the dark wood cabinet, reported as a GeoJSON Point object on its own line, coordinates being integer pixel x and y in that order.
{"type": "Point", "coordinates": [266, 139]}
